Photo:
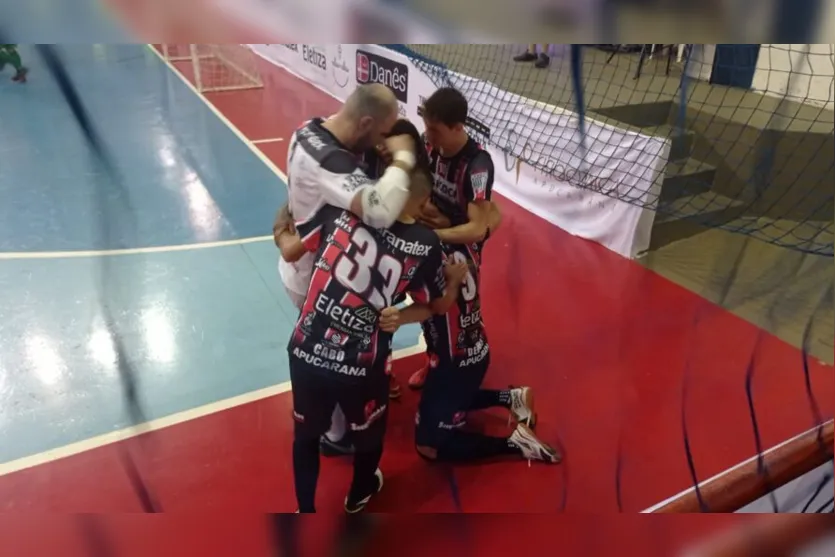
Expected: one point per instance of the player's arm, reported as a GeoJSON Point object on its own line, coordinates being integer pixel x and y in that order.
{"type": "Point", "coordinates": [285, 236]}
{"type": "Point", "coordinates": [294, 240]}
{"type": "Point", "coordinates": [434, 288]}
{"type": "Point", "coordinates": [478, 186]}
{"type": "Point", "coordinates": [454, 274]}
{"type": "Point", "coordinates": [378, 203]}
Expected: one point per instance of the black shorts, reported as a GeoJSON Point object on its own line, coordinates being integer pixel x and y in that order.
{"type": "Point", "coordinates": [364, 403]}
{"type": "Point", "coordinates": [447, 395]}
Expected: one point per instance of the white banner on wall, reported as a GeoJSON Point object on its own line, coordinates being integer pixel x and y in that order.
{"type": "Point", "coordinates": [583, 195]}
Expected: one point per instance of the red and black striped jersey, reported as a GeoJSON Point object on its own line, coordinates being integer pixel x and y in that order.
{"type": "Point", "coordinates": [359, 271]}
{"type": "Point", "coordinates": [461, 179]}
{"type": "Point", "coordinates": [459, 337]}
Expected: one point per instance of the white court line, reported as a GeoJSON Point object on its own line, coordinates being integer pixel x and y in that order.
{"type": "Point", "coordinates": [128, 251]}
{"type": "Point", "coordinates": [164, 249]}
{"type": "Point", "coordinates": [269, 140]}
{"type": "Point", "coordinates": [730, 470]}
{"type": "Point", "coordinates": [193, 413]}
{"type": "Point", "coordinates": [162, 423]}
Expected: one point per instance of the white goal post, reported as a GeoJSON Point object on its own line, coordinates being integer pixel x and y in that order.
{"type": "Point", "coordinates": [217, 67]}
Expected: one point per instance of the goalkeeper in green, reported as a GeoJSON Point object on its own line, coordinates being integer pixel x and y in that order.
{"type": "Point", "coordinates": [10, 55]}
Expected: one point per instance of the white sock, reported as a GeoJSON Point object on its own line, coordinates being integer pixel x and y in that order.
{"type": "Point", "coordinates": [337, 430]}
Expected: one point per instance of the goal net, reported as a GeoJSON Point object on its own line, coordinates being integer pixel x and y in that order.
{"type": "Point", "coordinates": [751, 158]}
{"type": "Point", "coordinates": [217, 67]}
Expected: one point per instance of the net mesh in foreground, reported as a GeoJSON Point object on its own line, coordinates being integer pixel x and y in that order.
{"type": "Point", "coordinates": [753, 161]}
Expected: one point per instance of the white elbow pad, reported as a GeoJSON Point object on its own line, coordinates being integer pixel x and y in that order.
{"type": "Point", "coordinates": [383, 202]}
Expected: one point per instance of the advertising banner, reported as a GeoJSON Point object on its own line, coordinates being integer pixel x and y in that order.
{"type": "Point", "coordinates": [603, 187]}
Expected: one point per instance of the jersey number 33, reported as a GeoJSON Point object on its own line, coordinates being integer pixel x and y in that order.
{"type": "Point", "coordinates": [354, 270]}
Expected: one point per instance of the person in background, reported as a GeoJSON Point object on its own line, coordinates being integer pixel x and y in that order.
{"type": "Point", "coordinates": [10, 55]}
{"type": "Point", "coordinates": [541, 60]}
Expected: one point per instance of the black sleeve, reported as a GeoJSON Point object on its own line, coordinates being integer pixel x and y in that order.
{"type": "Point", "coordinates": [478, 184]}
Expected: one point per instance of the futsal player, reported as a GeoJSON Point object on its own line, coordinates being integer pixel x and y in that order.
{"type": "Point", "coordinates": [460, 209]}
{"type": "Point", "coordinates": [10, 55]}
{"type": "Point", "coordinates": [337, 351]}
{"type": "Point", "coordinates": [453, 386]}
{"type": "Point", "coordinates": [324, 166]}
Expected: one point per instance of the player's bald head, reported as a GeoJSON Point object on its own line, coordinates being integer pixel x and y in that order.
{"type": "Point", "coordinates": [373, 100]}
{"type": "Point", "coordinates": [373, 110]}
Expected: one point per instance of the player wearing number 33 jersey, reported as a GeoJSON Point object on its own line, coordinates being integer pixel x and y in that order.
{"type": "Point", "coordinates": [337, 351]}
{"type": "Point", "coordinates": [358, 272]}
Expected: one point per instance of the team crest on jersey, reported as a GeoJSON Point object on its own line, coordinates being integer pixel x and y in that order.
{"type": "Point", "coordinates": [479, 182]}
{"type": "Point", "coordinates": [411, 269]}
{"type": "Point", "coordinates": [475, 337]}
{"type": "Point", "coordinates": [442, 168]}
{"type": "Point", "coordinates": [307, 323]}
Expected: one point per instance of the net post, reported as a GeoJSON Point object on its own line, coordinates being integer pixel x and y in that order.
{"type": "Point", "coordinates": [195, 60]}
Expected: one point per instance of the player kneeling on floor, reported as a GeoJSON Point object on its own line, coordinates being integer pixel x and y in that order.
{"type": "Point", "coordinates": [453, 386]}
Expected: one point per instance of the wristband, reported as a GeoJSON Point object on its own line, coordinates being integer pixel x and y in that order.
{"type": "Point", "coordinates": [406, 157]}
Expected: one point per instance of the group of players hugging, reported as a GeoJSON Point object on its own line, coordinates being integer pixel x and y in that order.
{"type": "Point", "coordinates": [376, 213]}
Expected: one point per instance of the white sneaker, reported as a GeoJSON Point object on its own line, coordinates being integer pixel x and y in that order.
{"type": "Point", "coordinates": [532, 448]}
{"type": "Point", "coordinates": [521, 406]}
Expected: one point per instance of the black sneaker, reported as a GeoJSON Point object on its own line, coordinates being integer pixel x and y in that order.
{"type": "Point", "coordinates": [329, 448]}
{"type": "Point", "coordinates": [527, 56]}
{"type": "Point", "coordinates": [352, 507]}
{"type": "Point", "coordinates": [542, 61]}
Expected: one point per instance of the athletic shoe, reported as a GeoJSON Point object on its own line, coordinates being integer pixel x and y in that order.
{"type": "Point", "coordinates": [521, 406]}
{"type": "Point", "coordinates": [352, 507]}
{"type": "Point", "coordinates": [20, 76]}
{"type": "Point", "coordinates": [329, 448]}
{"type": "Point", "coordinates": [418, 378]}
{"type": "Point", "coordinates": [526, 56]}
{"type": "Point", "coordinates": [532, 448]}
{"type": "Point", "coordinates": [542, 61]}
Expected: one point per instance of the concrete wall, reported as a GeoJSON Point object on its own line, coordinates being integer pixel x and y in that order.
{"type": "Point", "coordinates": [803, 73]}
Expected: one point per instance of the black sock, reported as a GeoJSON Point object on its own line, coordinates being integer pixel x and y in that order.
{"type": "Point", "coordinates": [306, 472]}
{"type": "Point", "coordinates": [365, 465]}
{"type": "Point", "coordinates": [488, 399]}
{"type": "Point", "coordinates": [465, 446]}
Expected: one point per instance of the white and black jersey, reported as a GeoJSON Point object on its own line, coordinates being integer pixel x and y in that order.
{"type": "Point", "coordinates": [320, 170]}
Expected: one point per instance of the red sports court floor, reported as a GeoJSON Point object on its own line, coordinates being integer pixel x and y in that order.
{"type": "Point", "coordinates": [606, 344]}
